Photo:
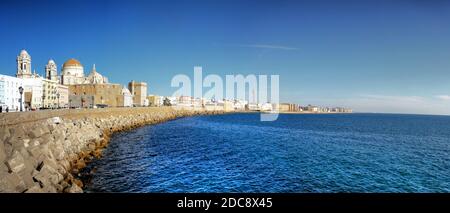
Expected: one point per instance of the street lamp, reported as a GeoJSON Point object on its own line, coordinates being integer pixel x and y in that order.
{"type": "Point", "coordinates": [57, 95]}
{"type": "Point", "coordinates": [21, 92]}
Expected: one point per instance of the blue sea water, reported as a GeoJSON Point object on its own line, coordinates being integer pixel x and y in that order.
{"type": "Point", "coordinates": [296, 153]}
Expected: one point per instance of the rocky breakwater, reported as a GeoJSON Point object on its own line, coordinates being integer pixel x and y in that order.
{"type": "Point", "coordinates": [47, 155]}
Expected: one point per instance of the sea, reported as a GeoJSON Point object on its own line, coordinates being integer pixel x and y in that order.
{"type": "Point", "coordinates": [298, 153]}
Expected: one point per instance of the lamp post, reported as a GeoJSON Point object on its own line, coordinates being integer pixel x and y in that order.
{"type": "Point", "coordinates": [21, 92]}
{"type": "Point", "coordinates": [57, 95]}
{"type": "Point", "coordinates": [43, 100]}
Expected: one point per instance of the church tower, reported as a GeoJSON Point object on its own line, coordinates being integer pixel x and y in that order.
{"type": "Point", "coordinates": [23, 65]}
{"type": "Point", "coordinates": [51, 71]}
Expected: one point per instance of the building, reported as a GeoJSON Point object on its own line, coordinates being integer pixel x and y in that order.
{"type": "Point", "coordinates": [139, 92]}
{"type": "Point", "coordinates": [311, 108]}
{"type": "Point", "coordinates": [33, 90]}
{"type": "Point", "coordinates": [95, 78]}
{"type": "Point", "coordinates": [9, 93]}
{"type": "Point", "coordinates": [154, 100]}
{"type": "Point", "coordinates": [81, 101]}
{"type": "Point", "coordinates": [288, 107]}
{"type": "Point", "coordinates": [104, 94]}
{"type": "Point", "coordinates": [51, 71]}
{"type": "Point", "coordinates": [24, 66]}
{"type": "Point", "coordinates": [127, 97]}
{"type": "Point", "coordinates": [49, 94]}
{"type": "Point", "coordinates": [32, 83]}
{"type": "Point", "coordinates": [72, 72]}
{"type": "Point", "coordinates": [62, 93]}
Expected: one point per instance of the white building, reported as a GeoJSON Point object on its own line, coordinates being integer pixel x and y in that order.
{"type": "Point", "coordinates": [95, 78]}
{"type": "Point", "coordinates": [72, 72]}
{"type": "Point", "coordinates": [24, 66]}
{"type": "Point", "coordinates": [127, 97]}
{"type": "Point", "coordinates": [9, 93]}
{"type": "Point", "coordinates": [32, 83]}
{"type": "Point", "coordinates": [51, 71]}
{"type": "Point", "coordinates": [33, 90]}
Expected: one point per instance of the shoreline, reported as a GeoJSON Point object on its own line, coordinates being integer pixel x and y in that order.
{"type": "Point", "coordinates": [46, 152]}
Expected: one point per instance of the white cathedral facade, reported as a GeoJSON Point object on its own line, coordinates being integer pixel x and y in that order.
{"type": "Point", "coordinates": [72, 71]}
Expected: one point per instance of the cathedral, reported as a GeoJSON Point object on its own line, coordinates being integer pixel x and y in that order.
{"type": "Point", "coordinates": [24, 66]}
{"type": "Point", "coordinates": [73, 73]}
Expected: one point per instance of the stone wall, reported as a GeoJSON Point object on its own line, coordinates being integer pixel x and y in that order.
{"type": "Point", "coordinates": [44, 151]}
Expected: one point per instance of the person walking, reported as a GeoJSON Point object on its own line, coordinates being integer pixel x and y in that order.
{"type": "Point", "coordinates": [7, 109]}
{"type": "Point", "coordinates": [1, 109]}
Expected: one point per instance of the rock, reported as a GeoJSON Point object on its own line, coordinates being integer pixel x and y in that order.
{"type": "Point", "coordinates": [35, 189]}
{"type": "Point", "coordinates": [49, 189]}
{"type": "Point", "coordinates": [48, 176]}
{"type": "Point", "coordinates": [73, 189]}
{"type": "Point", "coordinates": [2, 152]}
{"type": "Point", "coordinates": [4, 134]}
{"type": "Point", "coordinates": [47, 138]}
{"type": "Point", "coordinates": [35, 152]}
{"type": "Point", "coordinates": [54, 120]}
{"type": "Point", "coordinates": [77, 182]}
{"type": "Point", "coordinates": [38, 131]}
{"type": "Point", "coordinates": [35, 142]}
{"type": "Point", "coordinates": [11, 182]}
{"type": "Point", "coordinates": [16, 163]}
{"type": "Point", "coordinates": [58, 152]}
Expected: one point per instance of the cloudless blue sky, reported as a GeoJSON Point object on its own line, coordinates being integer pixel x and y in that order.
{"type": "Point", "coordinates": [377, 56]}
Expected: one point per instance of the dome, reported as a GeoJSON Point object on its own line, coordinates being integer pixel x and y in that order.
{"type": "Point", "coordinates": [95, 78]}
{"type": "Point", "coordinates": [51, 61]}
{"type": "Point", "coordinates": [24, 52]}
{"type": "Point", "coordinates": [72, 62]}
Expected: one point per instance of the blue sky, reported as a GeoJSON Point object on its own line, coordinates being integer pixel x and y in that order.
{"type": "Point", "coordinates": [373, 56]}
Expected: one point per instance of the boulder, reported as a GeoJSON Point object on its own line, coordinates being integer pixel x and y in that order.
{"type": "Point", "coordinates": [47, 138]}
{"type": "Point", "coordinates": [73, 189]}
{"type": "Point", "coordinates": [38, 131]}
{"type": "Point", "coordinates": [54, 120]}
{"type": "Point", "coordinates": [2, 152]}
{"type": "Point", "coordinates": [16, 163]}
{"type": "Point", "coordinates": [4, 134]}
{"type": "Point", "coordinates": [48, 176]}
{"type": "Point", "coordinates": [35, 189]}
{"type": "Point", "coordinates": [11, 182]}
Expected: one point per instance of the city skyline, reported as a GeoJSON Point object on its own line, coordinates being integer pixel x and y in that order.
{"type": "Point", "coordinates": [371, 56]}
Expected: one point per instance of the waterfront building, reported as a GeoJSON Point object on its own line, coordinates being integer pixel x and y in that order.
{"type": "Point", "coordinates": [154, 100]}
{"type": "Point", "coordinates": [81, 101]}
{"type": "Point", "coordinates": [127, 97]}
{"type": "Point", "coordinates": [266, 107]}
{"type": "Point", "coordinates": [51, 71]}
{"type": "Point", "coordinates": [240, 105]}
{"type": "Point", "coordinates": [139, 92]}
{"type": "Point", "coordinates": [49, 94]}
{"type": "Point", "coordinates": [311, 108]}
{"type": "Point", "coordinates": [9, 93]}
{"type": "Point", "coordinates": [33, 94]}
{"type": "Point", "coordinates": [252, 107]}
{"type": "Point", "coordinates": [62, 93]}
{"type": "Point", "coordinates": [103, 94]}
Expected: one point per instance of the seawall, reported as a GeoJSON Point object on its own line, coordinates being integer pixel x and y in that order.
{"type": "Point", "coordinates": [44, 151]}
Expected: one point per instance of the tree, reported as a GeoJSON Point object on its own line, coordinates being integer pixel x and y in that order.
{"type": "Point", "coordinates": [166, 102]}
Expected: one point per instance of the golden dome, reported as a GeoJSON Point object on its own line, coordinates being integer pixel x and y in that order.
{"type": "Point", "coordinates": [72, 62]}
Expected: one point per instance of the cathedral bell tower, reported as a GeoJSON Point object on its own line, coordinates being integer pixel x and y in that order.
{"type": "Point", "coordinates": [24, 65]}
{"type": "Point", "coordinates": [51, 71]}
